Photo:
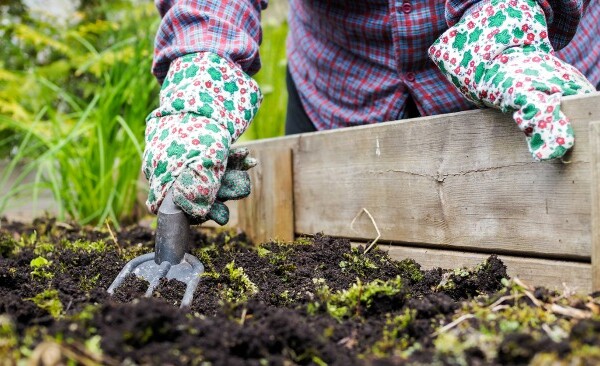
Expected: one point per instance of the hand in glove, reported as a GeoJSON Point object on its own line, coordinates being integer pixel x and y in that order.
{"type": "Point", "coordinates": [206, 103]}
{"type": "Point", "coordinates": [499, 55]}
{"type": "Point", "coordinates": [235, 185]}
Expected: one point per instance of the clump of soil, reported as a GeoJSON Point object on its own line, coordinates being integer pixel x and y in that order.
{"type": "Point", "coordinates": [313, 302]}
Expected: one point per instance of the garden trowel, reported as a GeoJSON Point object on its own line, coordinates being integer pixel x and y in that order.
{"type": "Point", "coordinates": [170, 259]}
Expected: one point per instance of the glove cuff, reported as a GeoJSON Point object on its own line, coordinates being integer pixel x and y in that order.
{"type": "Point", "coordinates": [207, 85]}
{"type": "Point", "coordinates": [465, 51]}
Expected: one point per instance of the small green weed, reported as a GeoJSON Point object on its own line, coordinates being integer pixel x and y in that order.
{"type": "Point", "coordinates": [357, 262]}
{"type": "Point", "coordinates": [87, 284]}
{"type": "Point", "coordinates": [8, 338]}
{"type": "Point", "coordinates": [40, 266]}
{"type": "Point", "coordinates": [355, 300]}
{"type": "Point", "coordinates": [410, 269]}
{"type": "Point", "coordinates": [49, 301]}
{"type": "Point", "coordinates": [85, 246]}
{"type": "Point", "coordinates": [239, 287]}
{"type": "Point", "coordinates": [395, 338]}
{"type": "Point", "coordinates": [7, 245]}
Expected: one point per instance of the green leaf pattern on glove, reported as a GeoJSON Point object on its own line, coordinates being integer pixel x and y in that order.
{"type": "Point", "coordinates": [206, 103]}
{"type": "Point", "coordinates": [235, 185]}
{"type": "Point", "coordinates": [499, 55]}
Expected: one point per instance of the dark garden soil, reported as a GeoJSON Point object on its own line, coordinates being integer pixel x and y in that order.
{"type": "Point", "coordinates": [317, 301]}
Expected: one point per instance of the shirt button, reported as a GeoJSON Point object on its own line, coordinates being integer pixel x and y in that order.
{"type": "Point", "coordinates": [410, 76]}
{"type": "Point", "coordinates": [406, 8]}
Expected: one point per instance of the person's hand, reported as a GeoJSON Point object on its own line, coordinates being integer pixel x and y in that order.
{"type": "Point", "coordinates": [235, 184]}
{"type": "Point", "coordinates": [500, 56]}
{"type": "Point", "coordinates": [206, 103]}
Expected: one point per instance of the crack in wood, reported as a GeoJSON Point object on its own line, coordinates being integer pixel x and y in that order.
{"type": "Point", "coordinates": [440, 177]}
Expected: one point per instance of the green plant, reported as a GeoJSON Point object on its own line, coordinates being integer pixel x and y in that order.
{"type": "Point", "coordinates": [73, 102]}
{"type": "Point", "coordinates": [357, 262]}
{"type": "Point", "coordinates": [84, 245]}
{"type": "Point", "coordinates": [49, 301]}
{"type": "Point", "coordinates": [239, 287]}
{"type": "Point", "coordinates": [79, 117]}
{"type": "Point", "coordinates": [270, 119]}
{"type": "Point", "coordinates": [7, 245]}
{"type": "Point", "coordinates": [356, 299]}
{"type": "Point", "coordinates": [8, 338]}
{"type": "Point", "coordinates": [410, 269]}
{"type": "Point", "coordinates": [39, 266]}
{"type": "Point", "coordinates": [394, 337]}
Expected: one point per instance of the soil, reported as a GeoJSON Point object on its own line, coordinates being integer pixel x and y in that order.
{"type": "Point", "coordinates": [316, 301]}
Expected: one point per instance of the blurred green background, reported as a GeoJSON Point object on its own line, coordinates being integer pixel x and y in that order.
{"type": "Point", "coordinates": [74, 93]}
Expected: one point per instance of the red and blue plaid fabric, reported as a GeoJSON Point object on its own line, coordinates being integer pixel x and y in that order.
{"type": "Point", "coordinates": [583, 51]}
{"type": "Point", "coordinates": [355, 62]}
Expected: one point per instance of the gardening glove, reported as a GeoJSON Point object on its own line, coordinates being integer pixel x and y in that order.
{"type": "Point", "coordinates": [235, 184]}
{"type": "Point", "coordinates": [499, 56]}
{"type": "Point", "coordinates": [206, 103]}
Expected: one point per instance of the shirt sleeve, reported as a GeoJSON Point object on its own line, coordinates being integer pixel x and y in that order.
{"type": "Point", "coordinates": [562, 16]}
{"type": "Point", "coordinates": [228, 28]}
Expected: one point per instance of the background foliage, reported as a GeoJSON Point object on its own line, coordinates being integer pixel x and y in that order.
{"type": "Point", "coordinates": [73, 99]}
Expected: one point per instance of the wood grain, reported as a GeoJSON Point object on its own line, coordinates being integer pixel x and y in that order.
{"type": "Point", "coordinates": [268, 213]}
{"type": "Point", "coordinates": [461, 181]}
{"type": "Point", "coordinates": [595, 202]}
{"type": "Point", "coordinates": [553, 274]}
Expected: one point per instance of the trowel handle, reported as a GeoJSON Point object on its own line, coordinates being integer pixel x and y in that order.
{"type": "Point", "coordinates": [173, 235]}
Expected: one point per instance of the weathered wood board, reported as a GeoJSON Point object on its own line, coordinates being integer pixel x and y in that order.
{"type": "Point", "coordinates": [455, 188]}
{"type": "Point", "coordinates": [461, 181]}
{"type": "Point", "coordinates": [595, 201]}
{"type": "Point", "coordinates": [268, 213]}
{"type": "Point", "coordinates": [274, 217]}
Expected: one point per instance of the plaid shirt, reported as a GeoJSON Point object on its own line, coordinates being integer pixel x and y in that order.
{"type": "Point", "coordinates": [353, 62]}
{"type": "Point", "coordinates": [584, 50]}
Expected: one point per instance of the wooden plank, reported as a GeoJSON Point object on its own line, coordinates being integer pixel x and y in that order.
{"type": "Point", "coordinates": [595, 200]}
{"type": "Point", "coordinates": [256, 147]}
{"type": "Point", "coordinates": [268, 213]}
{"type": "Point", "coordinates": [462, 181]}
{"type": "Point", "coordinates": [553, 274]}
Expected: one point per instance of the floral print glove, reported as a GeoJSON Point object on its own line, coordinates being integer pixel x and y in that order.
{"type": "Point", "coordinates": [499, 55]}
{"type": "Point", "coordinates": [206, 103]}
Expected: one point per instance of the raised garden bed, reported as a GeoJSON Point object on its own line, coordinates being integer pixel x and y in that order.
{"type": "Point", "coordinates": [315, 301]}
{"type": "Point", "coordinates": [447, 190]}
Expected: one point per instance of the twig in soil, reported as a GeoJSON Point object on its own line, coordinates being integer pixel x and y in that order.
{"type": "Point", "coordinates": [374, 224]}
{"type": "Point", "coordinates": [520, 282]}
{"type": "Point", "coordinates": [556, 334]}
{"type": "Point", "coordinates": [113, 237]}
{"type": "Point", "coordinates": [243, 317]}
{"type": "Point", "coordinates": [79, 353]}
{"type": "Point", "coordinates": [64, 225]}
{"type": "Point", "coordinates": [531, 297]}
{"type": "Point", "coordinates": [501, 300]}
{"type": "Point", "coordinates": [449, 326]}
{"type": "Point", "coordinates": [51, 353]}
{"type": "Point", "coordinates": [350, 341]}
{"type": "Point", "coordinates": [500, 307]}
{"type": "Point", "coordinates": [569, 311]}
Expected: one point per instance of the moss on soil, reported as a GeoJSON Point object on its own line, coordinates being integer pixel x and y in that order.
{"type": "Point", "coordinates": [315, 302]}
